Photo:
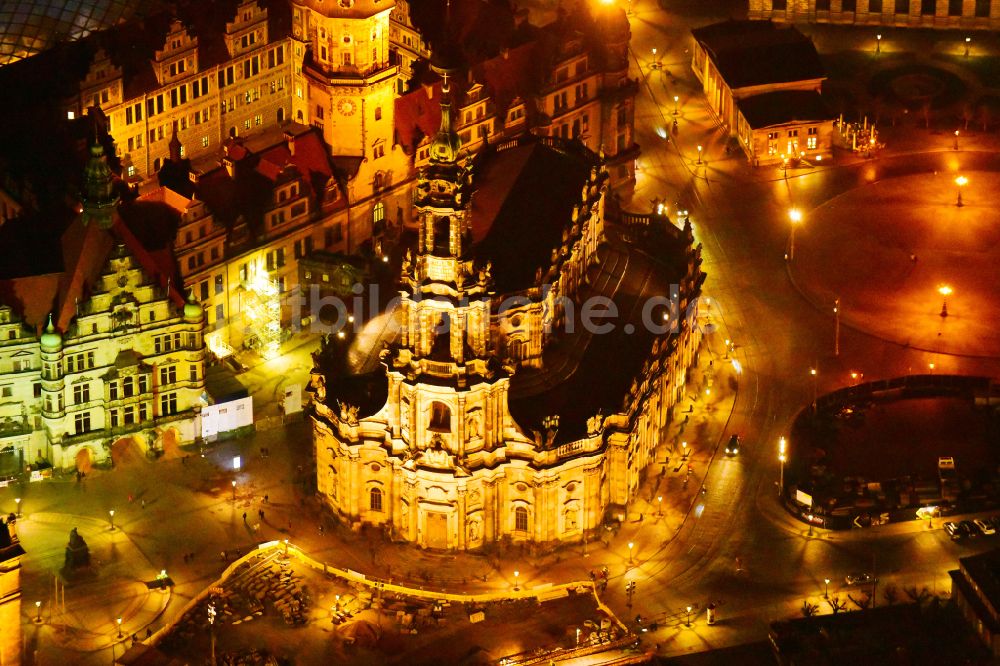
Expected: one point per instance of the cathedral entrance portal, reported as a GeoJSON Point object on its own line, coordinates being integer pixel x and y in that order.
{"type": "Point", "coordinates": [437, 530]}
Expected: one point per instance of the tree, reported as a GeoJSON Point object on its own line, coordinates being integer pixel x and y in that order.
{"type": "Point", "coordinates": [836, 605]}
{"type": "Point", "coordinates": [890, 593]}
{"type": "Point", "coordinates": [808, 609]}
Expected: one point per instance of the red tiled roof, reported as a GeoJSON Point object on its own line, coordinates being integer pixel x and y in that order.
{"type": "Point", "coordinates": [85, 249]}
{"type": "Point", "coordinates": [32, 296]}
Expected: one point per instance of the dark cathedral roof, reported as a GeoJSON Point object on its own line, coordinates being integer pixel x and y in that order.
{"type": "Point", "coordinates": [524, 197]}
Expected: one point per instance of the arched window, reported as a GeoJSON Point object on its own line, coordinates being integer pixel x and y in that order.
{"type": "Point", "coordinates": [440, 417]}
{"type": "Point", "coordinates": [281, 114]}
{"type": "Point", "coordinates": [378, 213]}
{"type": "Point", "coordinates": [520, 519]}
{"type": "Point", "coordinates": [375, 499]}
{"type": "Point", "coordinates": [332, 477]}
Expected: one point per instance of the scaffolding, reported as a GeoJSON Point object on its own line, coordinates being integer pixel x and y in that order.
{"type": "Point", "coordinates": [262, 307]}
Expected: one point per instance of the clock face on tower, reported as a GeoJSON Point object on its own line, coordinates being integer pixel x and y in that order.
{"type": "Point", "coordinates": [346, 107]}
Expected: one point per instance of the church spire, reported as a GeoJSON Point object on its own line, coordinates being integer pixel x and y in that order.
{"type": "Point", "coordinates": [446, 143]}
{"type": "Point", "coordinates": [99, 196]}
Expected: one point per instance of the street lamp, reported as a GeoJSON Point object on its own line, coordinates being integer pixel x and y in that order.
{"type": "Point", "coordinates": [578, 636]}
{"type": "Point", "coordinates": [659, 505]}
{"type": "Point", "coordinates": [826, 588]}
{"type": "Point", "coordinates": [956, 139]}
{"type": "Point", "coordinates": [795, 217]}
{"type": "Point", "coordinates": [17, 502]}
{"type": "Point", "coordinates": [119, 621]}
{"type": "Point", "coordinates": [968, 43]}
{"type": "Point", "coordinates": [234, 489]}
{"type": "Point", "coordinates": [781, 459]}
{"type": "Point", "coordinates": [961, 181]}
{"type": "Point", "coordinates": [656, 63]}
{"type": "Point", "coordinates": [630, 546]}
{"type": "Point", "coordinates": [945, 291]}
{"type": "Point", "coordinates": [111, 518]}
{"type": "Point", "coordinates": [810, 517]}
{"type": "Point", "coordinates": [688, 623]}
{"type": "Point", "coordinates": [812, 371]}
{"type": "Point", "coordinates": [517, 575]}
{"type": "Point", "coordinates": [699, 154]}
{"type": "Point", "coordinates": [836, 327]}
{"type": "Point", "coordinates": [677, 110]}
{"type": "Point", "coordinates": [684, 447]}
{"type": "Point", "coordinates": [38, 617]}
{"type": "Point", "coordinates": [878, 44]}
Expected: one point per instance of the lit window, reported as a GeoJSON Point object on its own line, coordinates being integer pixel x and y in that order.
{"type": "Point", "coordinates": [375, 499]}
{"type": "Point", "coordinates": [520, 519]}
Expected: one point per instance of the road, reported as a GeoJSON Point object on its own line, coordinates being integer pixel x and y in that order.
{"type": "Point", "coordinates": [741, 220]}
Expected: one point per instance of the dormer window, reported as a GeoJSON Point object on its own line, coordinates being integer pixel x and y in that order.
{"type": "Point", "coordinates": [346, 4]}
{"type": "Point", "coordinates": [347, 39]}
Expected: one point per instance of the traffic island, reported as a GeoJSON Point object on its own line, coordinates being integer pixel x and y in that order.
{"type": "Point", "coordinates": [893, 450]}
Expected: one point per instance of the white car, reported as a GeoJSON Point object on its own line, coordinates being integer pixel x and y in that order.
{"type": "Point", "coordinates": [984, 527]}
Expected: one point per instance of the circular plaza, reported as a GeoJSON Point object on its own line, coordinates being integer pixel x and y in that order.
{"type": "Point", "coordinates": [912, 259]}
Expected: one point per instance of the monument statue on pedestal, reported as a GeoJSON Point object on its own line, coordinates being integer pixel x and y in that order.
{"type": "Point", "coordinates": [77, 553]}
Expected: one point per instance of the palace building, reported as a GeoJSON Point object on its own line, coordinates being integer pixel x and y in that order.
{"type": "Point", "coordinates": [118, 368]}
{"type": "Point", "coordinates": [943, 14]}
{"type": "Point", "coordinates": [495, 411]}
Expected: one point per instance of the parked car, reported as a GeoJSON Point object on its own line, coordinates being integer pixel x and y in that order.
{"type": "Point", "coordinates": [984, 527]}
{"type": "Point", "coordinates": [954, 530]}
{"type": "Point", "coordinates": [858, 579]}
{"type": "Point", "coordinates": [969, 527]}
{"type": "Point", "coordinates": [733, 447]}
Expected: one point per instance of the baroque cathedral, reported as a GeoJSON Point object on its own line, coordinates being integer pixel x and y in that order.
{"type": "Point", "coordinates": [497, 411]}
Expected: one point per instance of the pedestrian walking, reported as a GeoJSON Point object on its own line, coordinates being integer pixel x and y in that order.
{"type": "Point", "coordinates": [266, 499]}
{"type": "Point", "coordinates": [143, 502]}
{"type": "Point", "coordinates": [260, 513]}
{"type": "Point", "coordinates": [244, 516]}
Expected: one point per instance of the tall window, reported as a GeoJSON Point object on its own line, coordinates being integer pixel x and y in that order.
{"type": "Point", "coordinates": [849, 5]}
{"type": "Point", "coordinates": [823, 5]}
{"type": "Point", "coordinates": [927, 7]}
{"type": "Point", "coordinates": [440, 417]}
{"type": "Point", "coordinates": [520, 519]}
{"type": "Point", "coordinates": [378, 213]}
{"type": "Point", "coordinates": [81, 422]}
{"type": "Point", "coordinates": [780, 5]}
{"type": "Point", "coordinates": [375, 499]}
{"type": "Point", "coordinates": [874, 6]}
{"type": "Point", "coordinates": [168, 404]}
{"type": "Point", "coordinates": [954, 7]}
{"type": "Point", "coordinates": [81, 394]}
{"type": "Point", "coordinates": [168, 374]}
{"type": "Point", "coordinates": [113, 390]}
{"type": "Point", "coordinates": [902, 7]}
{"type": "Point", "coordinates": [982, 8]}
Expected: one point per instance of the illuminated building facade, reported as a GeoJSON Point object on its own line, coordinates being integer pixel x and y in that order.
{"type": "Point", "coordinates": [119, 366]}
{"type": "Point", "coordinates": [954, 14]}
{"type": "Point", "coordinates": [486, 424]}
{"type": "Point", "coordinates": [764, 84]}
{"type": "Point", "coordinates": [11, 642]}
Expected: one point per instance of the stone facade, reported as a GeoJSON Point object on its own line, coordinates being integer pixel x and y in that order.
{"type": "Point", "coordinates": [942, 14]}
{"type": "Point", "coordinates": [440, 460]}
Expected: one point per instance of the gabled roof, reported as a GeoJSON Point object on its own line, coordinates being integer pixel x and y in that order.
{"type": "Point", "coordinates": [783, 106]}
{"type": "Point", "coordinates": [753, 53]}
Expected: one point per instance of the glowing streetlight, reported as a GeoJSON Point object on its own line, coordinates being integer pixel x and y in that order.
{"type": "Point", "coordinates": [810, 517]}
{"type": "Point", "coordinates": [659, 505]}
{"type": "Point", "coordinates": [630, 546]}
{"type": "Point", "coordinates": [812, 371]}
{"type": "Point", "coordinates": [111, 518]}
{"type": "Point", "coordinates": [826, 588]}
{"type": "Point", "coordinates": [878, 44]}
{"type": "Point", "coordinates": [677, 110]}
{"type": "Point", "coordinates": [119, 621]}
{"type": "Point", "coordinates": [956, 140]}
{"type": "Point", "coordinates": [38, 616]}
{"type": "Point", "coordinates": [688, 623]}
{"type": "Point", "coordinates": [234, 489]}
{"type": "Point", "coordinates": [699, 154]}
{"type": "Point", "coordinates": [945, 291]}
{"type": "Point", "coordinates": [517, 575]}
{"type": "Point", "coordinates": [836, 327]}
{"type": "Point", "coordinates": [656, 61]}
{"type": "Point", "coordinates": [961, 181]}
{"type": "Point", "coordinates": [795, 217]}
{"type": "Point", "coordinates": [684, 448]}
{"type": "Point", "coordinates": [781, 459]}
{"type": "Point", "coordinates": [968, 44]}
{"type": "Point", "coordinates": [17, 502]}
